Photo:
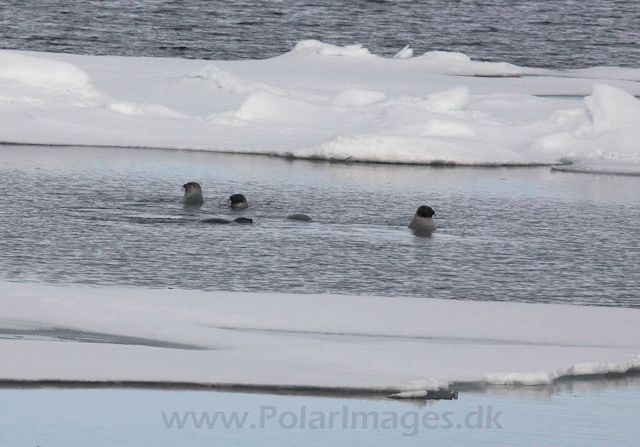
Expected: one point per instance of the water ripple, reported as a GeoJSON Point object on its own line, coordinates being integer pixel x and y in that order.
{"type": "Point", "coordinates": [112, 217]}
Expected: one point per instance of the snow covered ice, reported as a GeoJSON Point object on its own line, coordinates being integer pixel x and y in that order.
{"type": "Point", "coordinates": [330, 102]}
{"type": "Point", "coordinates": [294, 341]}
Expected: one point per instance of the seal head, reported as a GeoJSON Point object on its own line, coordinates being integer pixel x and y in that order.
{"type": "Point", "coordinates": [238, 201]}
{"type": "Point", "coordinates": [423, 219]}
{"type": "Point", "coordinates": [192, 194]}
{"type": "Point", "coordinates": [425, 211]}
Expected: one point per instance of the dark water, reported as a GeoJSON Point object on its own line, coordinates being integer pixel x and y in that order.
{"type": "Point", "coordinates": [562, 34]}
{"type": "Point", "coordinates": [111, 216]}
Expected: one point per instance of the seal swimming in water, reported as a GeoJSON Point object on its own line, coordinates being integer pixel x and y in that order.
{"type": "Point", "coordinates": [218, 220]}
{"type": "Point", "coordinates": [238, 201]}
{"type": "Point", "coordinates": [192, 194]}
{"type": "Point", "coordinates": [423, 219]}
{"type": "Point", "coordinates": [299, 216]}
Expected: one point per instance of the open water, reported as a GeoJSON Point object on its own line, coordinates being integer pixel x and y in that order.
{"type": "Point", "coordinates": [112, 217]}
{"type": "Point", "coordinates": [536, 33]}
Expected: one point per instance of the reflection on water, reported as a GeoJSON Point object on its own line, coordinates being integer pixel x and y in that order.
{"type": "Point", "coordinates": [111, 216]}
{"type": "Point", "coordinates": [575, 415]}
{"type": "Point", "coordinates": [565, 385]}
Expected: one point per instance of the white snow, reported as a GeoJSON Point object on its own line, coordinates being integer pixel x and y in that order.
{"type": "Point", "coordinates": [612, 109]}
{"type": "Point", "coordinates": [211, 76]}
{"type": "Point", "coordinates": [355, 97]}
{"type": "Point", "coordinates": [451, 100]}
{"type": "Point", "coordinates": [41, 73]}
{"type": "Point", "coordinates": [132, 109]}
{"type": "Point", "coordinates": [326, 101]}
{"type": "Point", "coordinates": [263, 105]}
{"type": "Point", "coordinates": [326, 49]}
{"type": "Point", "coordinates": [402, 344]}
{"type": "Point", "coordinates": [460, 64]}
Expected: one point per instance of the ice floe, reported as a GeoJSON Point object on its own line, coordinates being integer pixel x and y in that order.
{"type": "Point", "coordinates": [326, 101]}
{"type": "Point", "coordinates": [292, 341]}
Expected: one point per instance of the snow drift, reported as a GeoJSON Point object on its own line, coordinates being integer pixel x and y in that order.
{"type": "Point", "coordinates": [41, 72]}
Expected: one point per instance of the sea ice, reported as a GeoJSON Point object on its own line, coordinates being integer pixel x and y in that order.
{"type": "Point", "coordinates": [279, 340]}
{"type": "Point", "coordinates": [326, 101]}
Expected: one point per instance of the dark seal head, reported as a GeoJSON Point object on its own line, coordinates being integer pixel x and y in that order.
{"type": "Point", "coordinates": [192, 194]}
{"type": "Point", "coordinates": [425, 211]}
{"type": "Point", "coordinates": [423, 219]}
{"type": "Point", "coordinates": [243, 220]}
{"type": "Point", "coordinates": [238, 201]}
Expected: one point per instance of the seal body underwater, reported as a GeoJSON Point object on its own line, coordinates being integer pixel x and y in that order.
{"type": "Point", "coordinates": [219, 220]}
{"type": "Point", "coordinates": [216, 220]}
{"type": "Point", "coordinates": [192, 194]}
{"type": "Point", "coordinates": [238, 201]}
{"type": "Point", "coordinates": [423, 219]}
{"type": "Point", "coordinates": [300, 216]}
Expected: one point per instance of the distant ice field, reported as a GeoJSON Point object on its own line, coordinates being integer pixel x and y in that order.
{"type": "Point", "coordinates": [109, 216]}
